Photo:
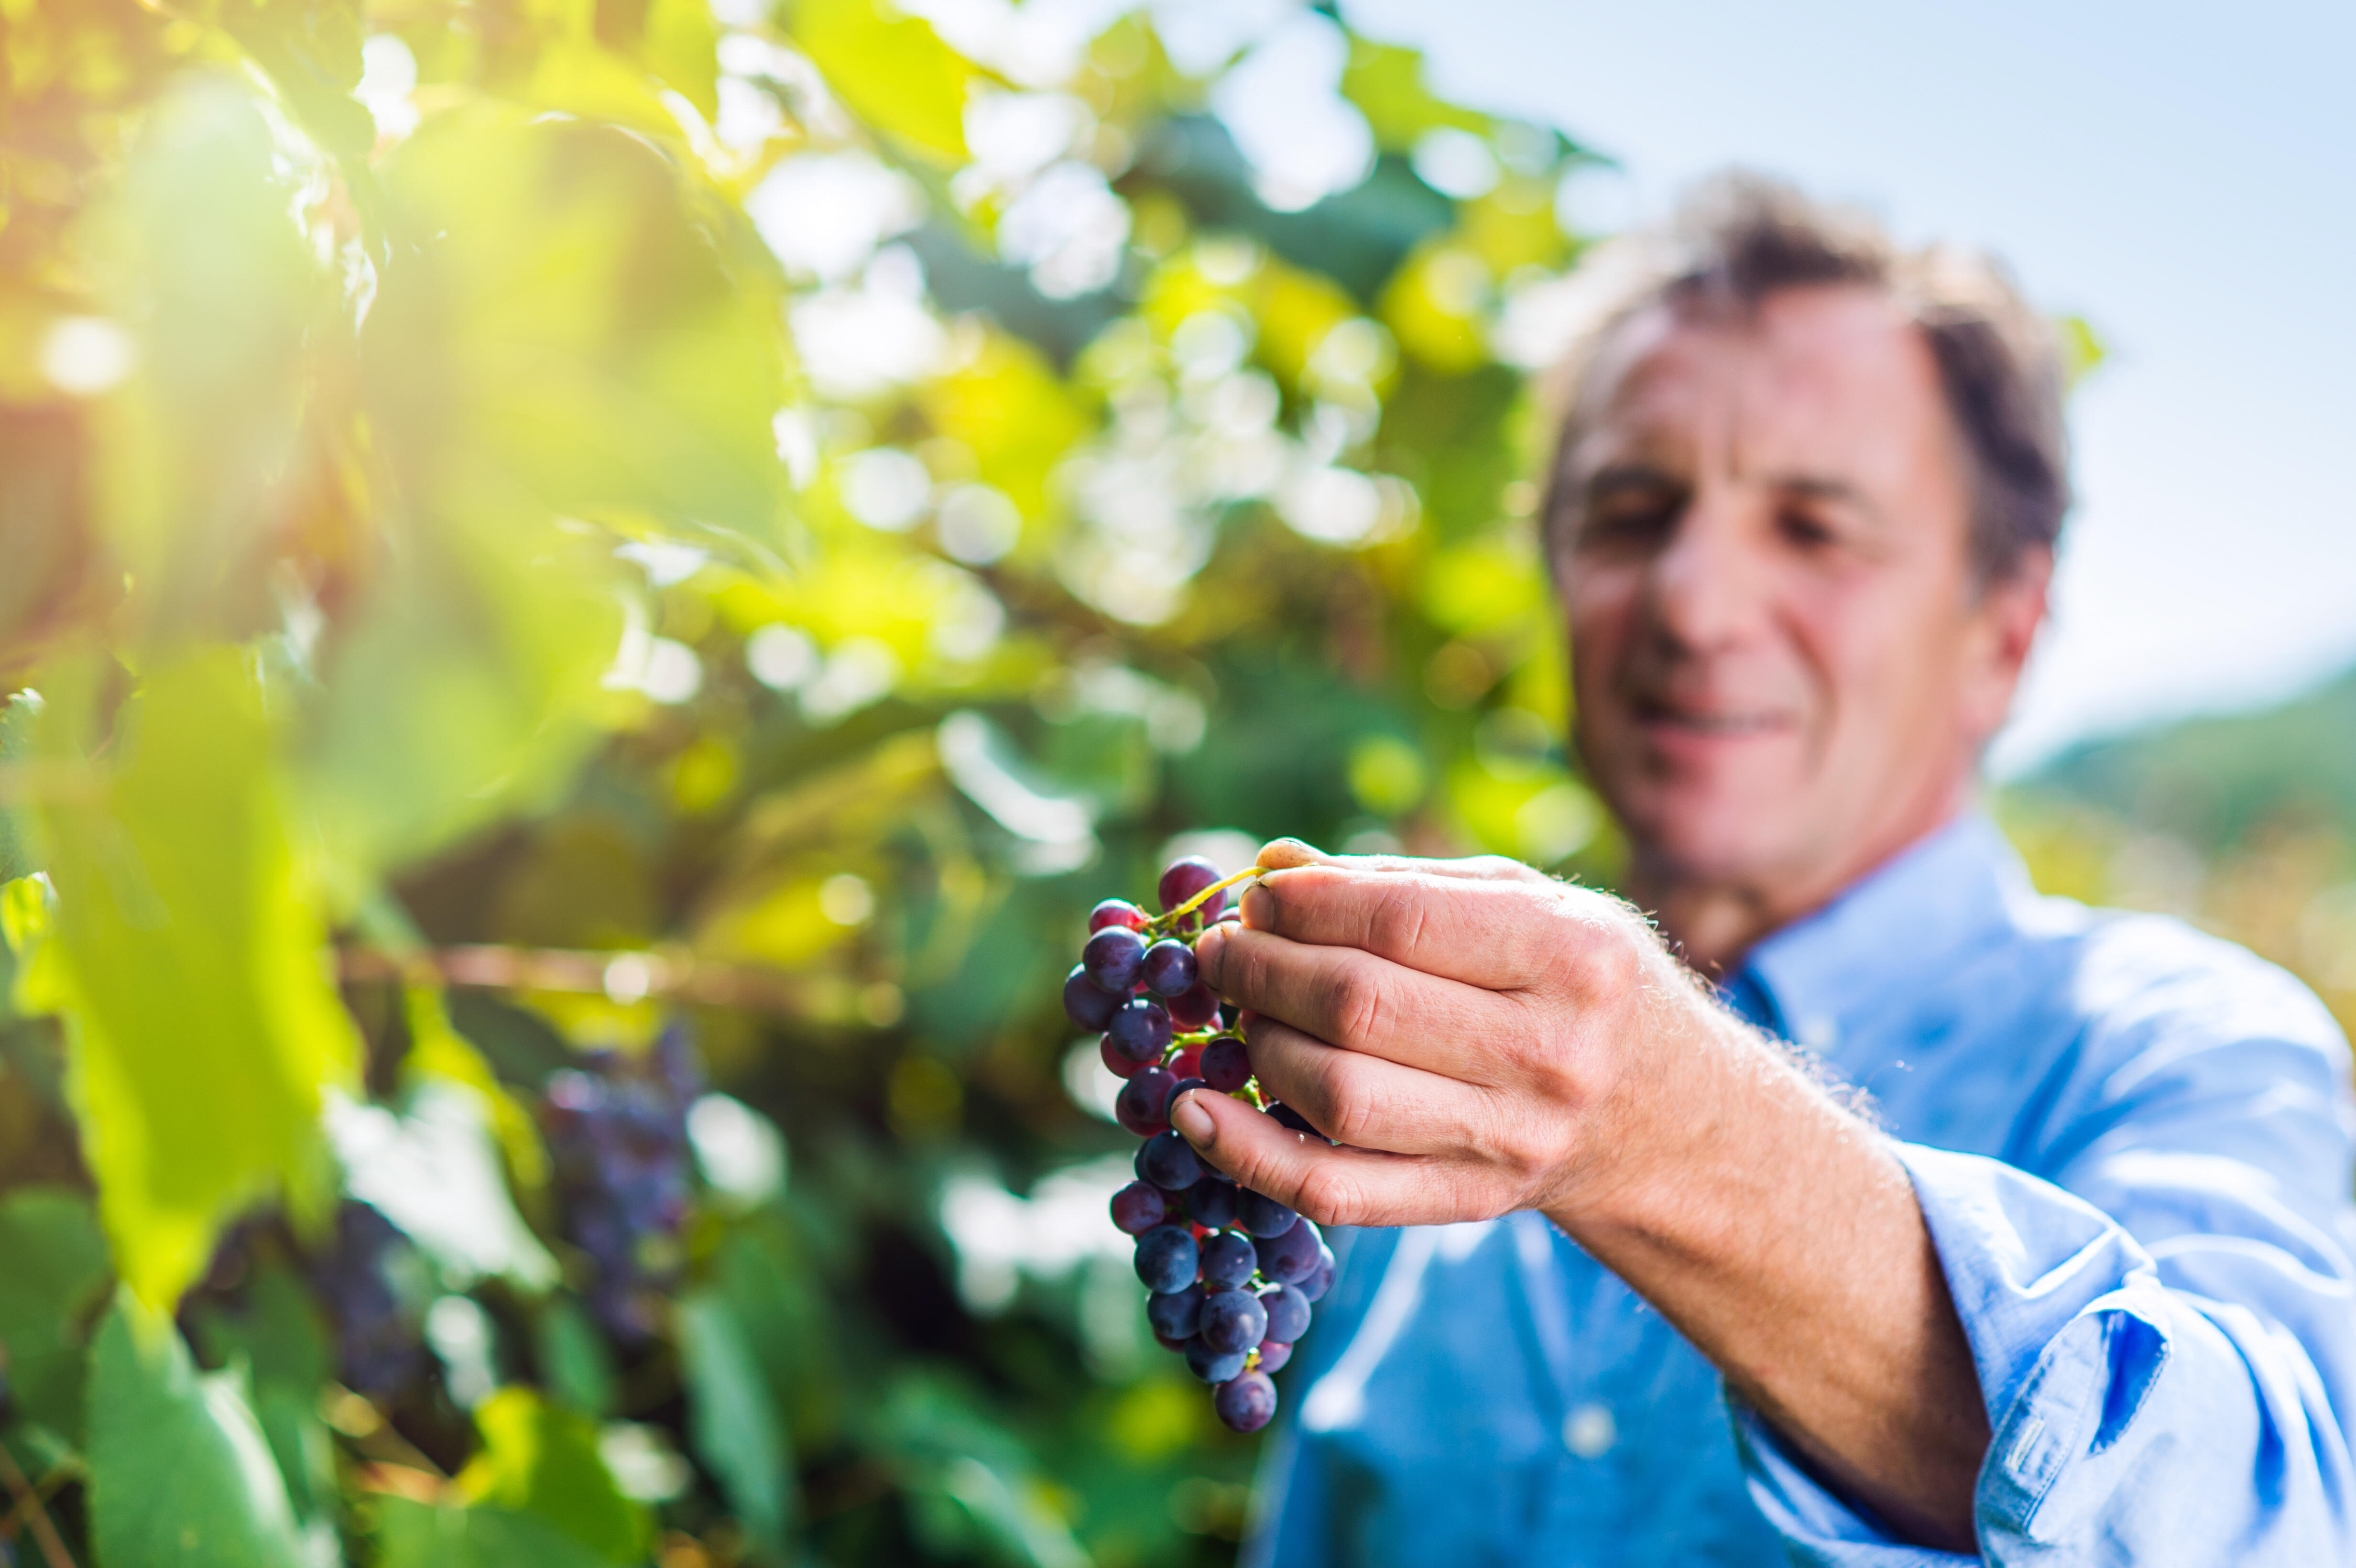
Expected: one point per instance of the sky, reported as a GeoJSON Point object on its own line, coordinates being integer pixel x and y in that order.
{"type": "Point", "coordinates": [2184, 178]}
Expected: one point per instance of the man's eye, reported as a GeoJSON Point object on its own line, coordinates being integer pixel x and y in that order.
{"type": "Point", "coordinates": [1629, 520]}
{"type": "Point", "coordinates": [1805, 529]}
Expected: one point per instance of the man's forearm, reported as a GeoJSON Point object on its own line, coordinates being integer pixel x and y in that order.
{"type": "Point", "coordinates": [1780, 1236]}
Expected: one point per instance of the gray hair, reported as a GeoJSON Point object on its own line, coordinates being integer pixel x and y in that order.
{"type": "Point", "coordinates": [1741, 237]}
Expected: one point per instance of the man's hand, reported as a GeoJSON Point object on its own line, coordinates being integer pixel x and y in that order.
{"type": "Point", "coordinates": [1477, 1036]}
{"type": "Point", "coordinates": [1481, 1039]}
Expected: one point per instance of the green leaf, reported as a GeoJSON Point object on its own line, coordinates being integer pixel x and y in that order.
{"type": "Point", "coordinates": [420, 1535]}
{"type": "Point", "coordinates": [730, 1419]}
{"type": "Point", "coordinates": [540, 1459]}
{"type": "Point", "coordinates": [56, 1268]}
{"type": "Point", "coordinates": [573, 321]}
{"type": "Point", "coordinates": [1386, 81]}
{"type": "Point", "coordinates": [180, 1473]}
{"type": "Point", "coordinates": [893, 71]}
{"type": "Point", "coordinates": [280, 1341]}
{"type": "Point", "coordinates": [203, 1026]}
{"type": "Point", "coordinates": [573, 1358]}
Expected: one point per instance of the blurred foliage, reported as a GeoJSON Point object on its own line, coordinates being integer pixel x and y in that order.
{"type": "Point", "coordinates": [530, 522]}
{"type": "Point", "coordinates": [2245, 824]}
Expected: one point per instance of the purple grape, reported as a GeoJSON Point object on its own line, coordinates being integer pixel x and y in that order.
{"type": "Point", "coordinates": [1213, 1366]}
{"type": "Point", "coordinates": [1227, 1065]}
{"type": "Point", "coordinates": [1168, 968]}
{"type": "Point", "coordinates": [1143, 1102]}
{"type": "Point", "coordinates": [1291, 1258]}
{"type": "Point", "coordinates": [1233, 1320]}
{"type": "Point", "coordinates": [1246, 1403]}
{"type": "Point", "coordinates": [1227, 1259]}
{"type": "Point", "coordinates": [1196, 1008]}
{"type": "Point", "coordinates": [1178, 1088]}
{"type": "Point", "coordinates": [1115, 912]}
{"type": "Point", "coordinates": [1113, 959]}
{"type": "Point", "coordinates": [1181, 880]}
{"type": "Point", "coordinates": [1168, 1161]}
{"type": "Point", "coordinates": [1273, 1354]}
{"type": "Point", "coordinates": [1295, 1120]}
{"type": "Point", "coordinates": [1140, 1030]}
{"type": "Point", "coordinates": [1117, 1064]}
{"type": "Point", "coordinates": [1287, 1314]}
{"type": "Point", "coordinates": [1166, 1258]}
{"type": "Point", "coordinates": [1085, 1003]}
{"type": "Point", "coordinates": [1263, 1216]}
{"type": "Point", "coordinates": [1175, 1315]}
{"type": "Point", "coordinates": [1210, 1202]}
{"type": "Point", "coordinates": [1137, 1208]}
{"type": "Point", "coordinates": [1321, 1278]}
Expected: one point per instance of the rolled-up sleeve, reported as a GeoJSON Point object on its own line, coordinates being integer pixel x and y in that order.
{"type": "Point", "coordinates": [2165, 1333]}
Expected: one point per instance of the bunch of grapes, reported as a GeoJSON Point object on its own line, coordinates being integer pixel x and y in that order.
{"type": "Point", "coordinates": [617, 1131]}
{"type": "Point", "coordinates": [1233, 1273]}
{"type": "Point", "coordinates": [378, 1350]}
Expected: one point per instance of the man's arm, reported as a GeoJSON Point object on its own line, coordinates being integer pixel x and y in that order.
{"type": "Point", "coordinates": [1483, 1044]}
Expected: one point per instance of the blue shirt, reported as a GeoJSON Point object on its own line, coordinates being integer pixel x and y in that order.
{"type": "Point", "coordinates": [2133, 1146]}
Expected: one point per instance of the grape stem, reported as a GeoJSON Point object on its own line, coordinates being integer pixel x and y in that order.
{"type": "Point", "coordinates": [1165, 920]}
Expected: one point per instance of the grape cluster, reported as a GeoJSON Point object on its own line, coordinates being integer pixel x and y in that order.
{"type": "Point", "coordinates": [1233, 1273]}
{"type": "Point", "coordinates": [376, 1346]}
{"type": "Point", "coordinates": [617, 1133]}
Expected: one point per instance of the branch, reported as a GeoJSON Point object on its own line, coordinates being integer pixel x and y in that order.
{"type": "Point", "coordinates": [624, 977]}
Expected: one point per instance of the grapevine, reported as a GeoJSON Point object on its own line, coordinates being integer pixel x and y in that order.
{"type": "Point", "coordinates": [1232, 1274]}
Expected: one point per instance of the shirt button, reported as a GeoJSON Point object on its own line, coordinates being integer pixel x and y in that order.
{"type": "Point", "coordinates": [1588, 1430]}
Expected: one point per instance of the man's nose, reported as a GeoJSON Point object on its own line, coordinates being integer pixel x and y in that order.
{"type": "Point", "coordinates": [1707, 586]}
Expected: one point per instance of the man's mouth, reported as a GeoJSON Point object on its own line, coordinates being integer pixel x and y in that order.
{"type": "Point", "coordinates": [1717, 724]}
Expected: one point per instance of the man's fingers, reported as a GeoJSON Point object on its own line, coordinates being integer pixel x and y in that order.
{"type": "Point", "coordinates": [1357, 1001]}
{"type": "Point", "coordinates": [1365, 1101]}
{"type": "Point", "coordinates": [1332, 1185]}
{"type": "Point", "coordinates": [1495, 933]}
{"type": "Point", "coordinates": [1282, 854]}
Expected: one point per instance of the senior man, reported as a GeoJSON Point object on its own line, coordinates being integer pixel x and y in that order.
{"type": "Point", "coordinates": [2032, 1242]}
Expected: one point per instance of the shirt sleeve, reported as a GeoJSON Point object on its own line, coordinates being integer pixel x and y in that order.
{"type": "Point", "coordinates": [2165, 1331]}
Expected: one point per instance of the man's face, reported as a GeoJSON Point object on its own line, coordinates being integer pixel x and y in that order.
{"type": "Point", "coordinates": [1782, 666]}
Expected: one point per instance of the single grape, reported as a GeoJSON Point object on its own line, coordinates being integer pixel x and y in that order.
{"type": "Point", "coordinates": [1175, 1316]}
{"type": "Point", "coordinates": [1196, 1008]}
{"type": "Point", "coordinates": [1227, 1259]}
{"type": "Point", "coordinates": [1143, 1104]}
{"type": "Point", "coordinates": [1178, 1088]}
{"type": "Point", "coordinates": [1168, 968]}
{"type": "Point", "coordinates": [1295, 1120]}
{"type": "Point", "coordinates": [1168, 1161]}
{"type": "Point", "coordinates": [1288, 1313]}
{"type": "Point", "coordinates": [1246, 1403]}
{"type": "Point", "coordinates": [1117, 1064]}
{"type": "Point", "coordinates": [1273, 1354]}
{"type": "Point", "coordinates": [1291, 1258]}
{"type": "Point", "coordinates": [1113, 958]}
{"type": "Point", "coordinates": [1213, 1366]}
{"type": "Point", "coordinates": [1226, 1066]}
{"type": "Point", "coordinates": [1089, 1005]}
{"type": "Point", "coordinates": [1166, 1258]}
{"type": "Point", "coordinates": [1137, 1208]}
{"type": "Point", "coordinates": [1321, 1278]}
{"type": "Point", "coordinates": [1183, 881]}
{"type": "Point", "coordinates": [1115, 912]}
{"type": "Point", "coordinates": [1212, 1201]}
{"type": "Point", "coordinates": [1185, 1063]}
{"type": "Point", "coordinates": [1233, 1320]}
{"type": "Point", "coordinates": [1140, 1030]}
{"type": "Point", "coordinates": [1263, 1216]}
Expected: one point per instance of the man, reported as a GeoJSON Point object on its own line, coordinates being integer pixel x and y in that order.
{"type": "Point", "coordinates": [2064, 1278]}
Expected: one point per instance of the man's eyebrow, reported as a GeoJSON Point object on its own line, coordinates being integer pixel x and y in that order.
{"type": "Point", "coordinates": [1823, 487]}
{"type": "Point", "coordinates": [1617, 476]}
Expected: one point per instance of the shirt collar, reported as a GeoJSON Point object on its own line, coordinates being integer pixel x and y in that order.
{"type": "Point", "coordinates": [1892, 933]}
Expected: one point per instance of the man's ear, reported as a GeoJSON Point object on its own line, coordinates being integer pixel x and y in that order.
{"type": "Point", "coordinates": [2010, 612]}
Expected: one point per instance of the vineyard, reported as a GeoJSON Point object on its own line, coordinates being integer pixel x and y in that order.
{"type": "Point", "coordinates": [594, 591]}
